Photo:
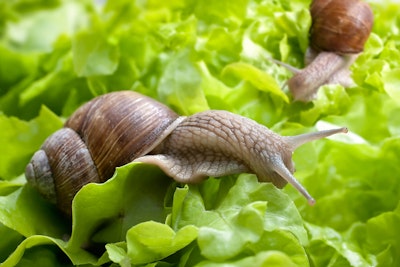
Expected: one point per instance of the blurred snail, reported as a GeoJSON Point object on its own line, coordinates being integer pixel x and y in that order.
{"type": "Point", "coordinates": [338, 33]}
{"type": "Point", "coordinates": [117, 128]}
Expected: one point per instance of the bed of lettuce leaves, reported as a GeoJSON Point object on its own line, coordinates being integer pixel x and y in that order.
{"type": "Point", "coordinates": [198, 55]}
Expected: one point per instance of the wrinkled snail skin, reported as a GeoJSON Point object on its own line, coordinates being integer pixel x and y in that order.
{"type": "Point", "coordinates": [343, 74]}
{"type": "Point", "coordinates": [338, 33]}
{"type": "Point", "coordinates": [120, 127]}
{"type": "Point", "coordinates": [218, 143]}
{"type": "Point", "coordinates": [326, 68]}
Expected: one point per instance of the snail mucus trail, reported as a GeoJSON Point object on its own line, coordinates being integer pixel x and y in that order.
{"type": "Point", "coordinates": [120, 127]}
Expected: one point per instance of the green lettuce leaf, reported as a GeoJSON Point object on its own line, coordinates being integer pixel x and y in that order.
{"type": "Point", "coordinates": [10, 240]}
{"type": "Point", "coordinates": [134, 200]}
{"type": "Point", "coordinates": [257, 78]}
{"type": "Point", "coordinates": [268, 258]}
{"type": "Point", "coordinates": [94, 54]}
{"type": "Point", "coordinates": [92, 208]}
{"type": "Point", "coordinates": [19, 139]}
{"type": "Point", "coordinates": [382, 238]}
{"type": "Point", "coordinates": [151, 241]}
{"type": "Point", "coordinates": [243, 217]}
{"type": "Point", "coordinates": [330, 248]}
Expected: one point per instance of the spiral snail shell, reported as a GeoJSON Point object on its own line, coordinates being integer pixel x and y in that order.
{"type": "Point", "coordinates": [117, 128]}
{"type": "Point", "coordinates": [340, 26]}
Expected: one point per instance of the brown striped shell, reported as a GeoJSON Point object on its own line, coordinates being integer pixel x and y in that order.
{"type": "Point", "coordinates": [107, 132]}
{"type": "Point", "coordinates": [340, 26]}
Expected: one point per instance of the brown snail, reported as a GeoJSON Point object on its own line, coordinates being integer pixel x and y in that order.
{"type": "Point", "coordinates": [120, 127]}
{"type": "Point", "coordinates": [337, 36]}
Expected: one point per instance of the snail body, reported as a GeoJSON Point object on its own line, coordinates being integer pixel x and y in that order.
{"type": "Point", "coordinates": [337, 36]}
{"type": "Point", "coordinates": [120, 127]}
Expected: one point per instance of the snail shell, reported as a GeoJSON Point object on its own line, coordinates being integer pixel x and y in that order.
{"type": "Point", "coordinates": [340, 26]}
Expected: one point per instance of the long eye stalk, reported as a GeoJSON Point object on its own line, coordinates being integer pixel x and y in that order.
{"type": "Point", "coordinates": [298, 140]}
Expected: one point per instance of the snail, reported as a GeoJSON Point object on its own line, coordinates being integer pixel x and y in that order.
{"type": "Point", "coordinates": [337, 36]}
{"type": "Point", "coordinates": [117, 128]}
